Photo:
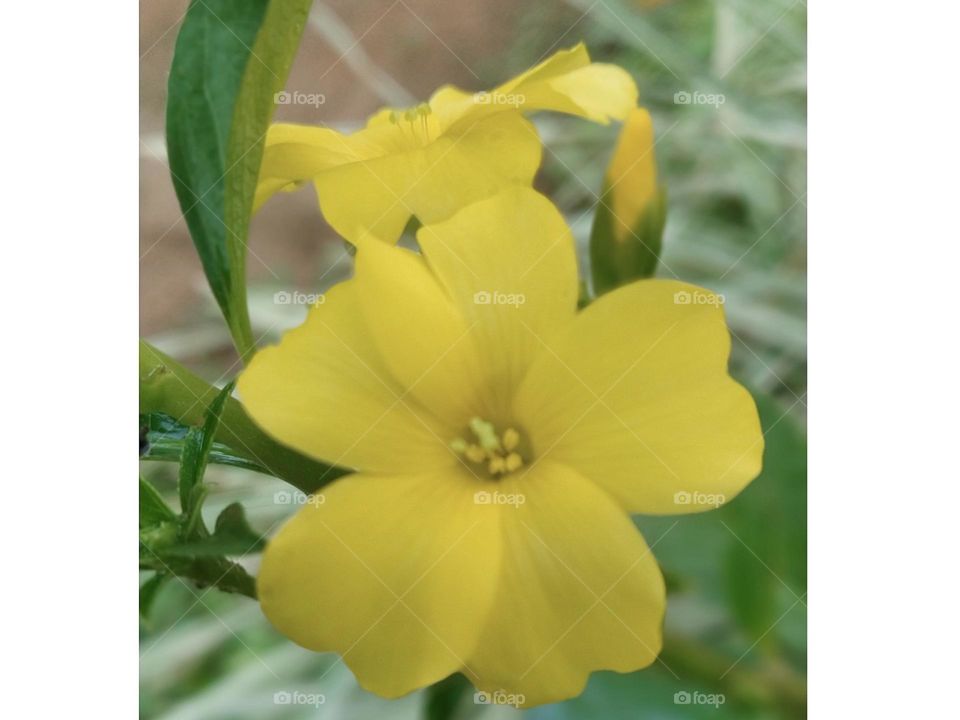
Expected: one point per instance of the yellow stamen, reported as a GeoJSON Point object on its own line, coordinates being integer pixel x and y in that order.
{"type": "Point", "coordinates": [500, 456]}
{"type": "Point", "coordinates": [415, 124]}
{"type": "Point", "coordinates": [475, 453]}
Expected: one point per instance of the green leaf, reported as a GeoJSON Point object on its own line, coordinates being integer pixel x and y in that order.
{"type": "Point", "coordinates": [182, 546]}
{"type": "Point", "coordinates": [148, 594]}
{"type": "Point", "coordinates": [232, 535]}
{"type": "Point", "coordinates": [651, 693]}
{"type": "Point", "coordinates": [752, 591]}
{"type": "Point", "coordinates": [164, 438]}
{"type": "Point", "coordinates": [196, 450]}
{"type": "Point", "coordinates": [230, 59]}
{"type": "Point", "coordinates": [209, 61]}
{"type": "Point", "coordinates": [265, 76]}
{"type": "Point", "coordinates": [766, 563]}
{"type": "Point", "coordinates": [153, 509]}
{"type": "Point", "coordinates": [446, 696]}
{"type": "Point", "coordinates": [615, 262]}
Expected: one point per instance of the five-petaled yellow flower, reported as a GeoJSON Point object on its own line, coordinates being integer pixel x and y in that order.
{"type": "Point", "coordinates": [500, 440]}
{"type": "Point", "coordinates": [433, 159]}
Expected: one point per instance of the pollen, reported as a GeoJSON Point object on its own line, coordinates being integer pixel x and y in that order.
{"type": "Point", "coordinates": [498, 454]}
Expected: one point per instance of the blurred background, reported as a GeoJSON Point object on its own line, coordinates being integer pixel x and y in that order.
{"type": "Point", "coordinates": [725, 81]}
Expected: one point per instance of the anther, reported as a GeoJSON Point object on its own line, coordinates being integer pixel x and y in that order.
{"type": "Point", "coordinates": [475, 453]}
{"type": "Point", "coordinates": [498, 453]}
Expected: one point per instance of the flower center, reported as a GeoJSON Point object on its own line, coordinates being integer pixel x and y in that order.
{"type": "Point", "coordinates": [498, 454]}
{"type": "Point", "coordinates": [417, 124]}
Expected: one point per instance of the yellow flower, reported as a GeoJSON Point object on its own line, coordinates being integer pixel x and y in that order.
{"type": "Point", "coordinates": [439, 156]}
{"type": "Point", "coordinates": [500, 440]}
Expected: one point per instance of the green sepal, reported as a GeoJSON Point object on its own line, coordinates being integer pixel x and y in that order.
{"type": "Point", "coordinates": [614, 262]}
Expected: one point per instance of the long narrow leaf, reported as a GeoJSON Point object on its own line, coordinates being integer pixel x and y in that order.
{"type": "Point", "coordinates": [265, 75]}
{"type": "Point", "coordinates": [196, 449]}
{"type": "Point", "coordinates": [209, 61]}
{"type": "Point", "coordinates": [230, 59]}
{"type": "Point", "coordinates": [164, 438]}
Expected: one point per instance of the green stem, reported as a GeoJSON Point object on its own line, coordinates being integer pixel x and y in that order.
{"type": "Point", "coordinates": [168, 387]}
{"type": "Point", "coordinates": [240, 329]}
{"type": "Point", "coordinates": [220, 573]}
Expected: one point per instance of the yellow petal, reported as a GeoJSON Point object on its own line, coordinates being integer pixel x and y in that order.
{"type": "Point", "coordinates": [578, 590]}
{"type": "Point", "coordinates": [636, 396]}
{"type": "Point", "coordinates": [474, 161]}
{"type": "Point", "coordinates": [598, 92]}
{"type": "Point", "coordinates": [508, 263]}
{"type": "Point", "coordinates": [565, 82]}
{"type": "Point", "coordinates": [294, 154]}
{"type": "Point", "coordinates": [325, 391]}
{"type": "Point", "coordinates": [421, 335]}
{"type": "Point", "coordinates": [394, 572]}
{"type": "Point", "coordinates": [557, 65]}
{"type": "Point", "coordinates": [360, 182]}
{"type": "Point", "coordinates": [632, 174]}
{"type": "Point", "coordinates": [368, 197]}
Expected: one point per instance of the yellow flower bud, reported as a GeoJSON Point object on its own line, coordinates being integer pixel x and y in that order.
{"type": "Point", "coordinates": [632, 173]}
{"type": "Point", "coordinates": [628, 226]}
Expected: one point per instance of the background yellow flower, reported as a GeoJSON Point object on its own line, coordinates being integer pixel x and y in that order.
{"type": "Point", "coordinates": [434, 158]}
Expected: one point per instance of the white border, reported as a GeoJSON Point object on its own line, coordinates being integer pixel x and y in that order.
{"type": "Point", "coordinates": [69, 301]}
{"type": "Point", "coordinates": [884, 435]}
{"type": "Point", "coordinates": [883, 327]}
